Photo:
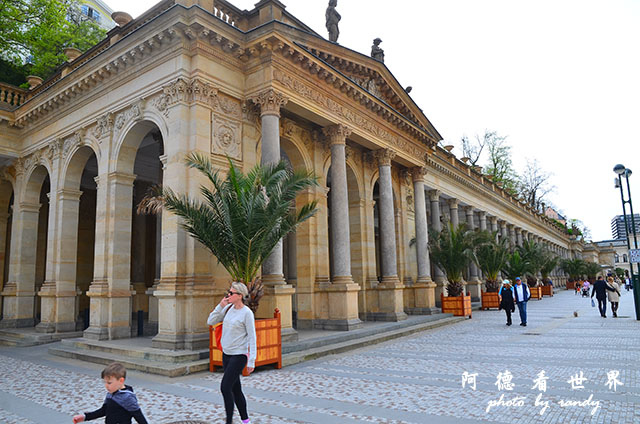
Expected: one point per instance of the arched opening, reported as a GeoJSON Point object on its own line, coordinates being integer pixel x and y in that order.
{"type": "Point", "coordinates": [146, 235]}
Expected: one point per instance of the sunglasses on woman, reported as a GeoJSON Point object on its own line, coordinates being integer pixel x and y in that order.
{"type": "Point", "coordinates": [231, 293]}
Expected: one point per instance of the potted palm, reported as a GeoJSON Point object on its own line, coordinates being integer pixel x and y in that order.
{"type": "Point", "coordinates": [490, 256]}
{"type": "Point", "coordinates": [549, 263]}
{"type": "Point", "coordinates": [240, 221]}
{"type": "Point", "coordinates": [451, 250]}
{"type": "Point", "coordinates": [515, 266]}
{"type": "Point", "coordinates": [532, 253]}
{"type": "Point", "coordinates": [592, 269]}
{"type": "Point", "coordinates": [573, 267]}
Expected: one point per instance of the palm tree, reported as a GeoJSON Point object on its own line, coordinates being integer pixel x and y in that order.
{"type": "Point", "coordinates": [592, 269]}
{"type": "Point", "coordinates": [532, 253]}
{"type": "Point", "coordinates": [573, 267]}
{"type": "Point", "coordinates": [516, 266]}
{"type": "Point", "coordinates": [549, 263]}
{"type": "Point", "coordinates": [243, 218]}
{"type": "Point", "coordinates": [451, 250]}
{"type": "Point", "coordinates": [491, 257]}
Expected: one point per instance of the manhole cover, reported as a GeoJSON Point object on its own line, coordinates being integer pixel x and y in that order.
{"type": "Point", "coordinates": [624, 316]}
{"type": "Point", "coordinates": [532, 334]}
{"type": "Point", "coordinates": [558, 317]}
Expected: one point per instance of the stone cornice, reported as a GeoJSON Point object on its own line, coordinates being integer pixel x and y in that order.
{"type": "Point", "coordinates": [475, 184]}
{"type": "Point", "coordinates": [327, 74]}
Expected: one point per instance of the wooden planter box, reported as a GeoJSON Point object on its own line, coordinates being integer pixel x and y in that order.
{"type": "Point", "coordinates": [459, 306]}
{"type": "Point", "coordinates": [268, 341]}
{"type": "Point", "coordinates": [536, 292]}
{"type": "Point", "coordinates": [490, 300]}
{"type": "Point", "coordinates": [571, 286]}
{"type": "Point", "coordinates": [547, 290]}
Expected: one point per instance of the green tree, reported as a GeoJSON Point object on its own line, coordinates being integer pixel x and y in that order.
{"type": "Point", "coordinates": [573, 267]}
{"type": "Point", "coordinates": [549, 263]}
{"type": "Point", "coordinates": [243, 218]}
{"type": "Point", "coordinates": [592, 269]}
{"type": "Point", "coordinates": [533, 254]}
{"type": "Point", "coordinates": [41, 29]}
{"type": "Point", "coordinates": [451, 249]}
{"type": "Point", "coordinates": [516, 266]}
{"type": "Point", "coordinates": [620, 273]}
{"type": "Point", "coordinates": [500, 166]}
{"type": "Point", "coordinates": [491, 257]}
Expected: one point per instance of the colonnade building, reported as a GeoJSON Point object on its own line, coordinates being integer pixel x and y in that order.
{"type": "Point", "coordinates": [79, 151]}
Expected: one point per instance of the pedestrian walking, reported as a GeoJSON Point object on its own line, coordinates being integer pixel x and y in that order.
{"type": "Point", "coordinates": [600, 289]}
{"type": "Point", "coordinates": [627, 283]}
{"type": "Point", "coordinates": [521, 295]}
{"type": "Point", "coordinates": [506, 300]}
{"type": "Point", "coordinates": [578, 285]}
{"type": "Point", "coordinates": [614, 296]}
{"type": "Point", "coordinates": [238, 347]}
{"type": "Point", "coordinates": [120, 405]}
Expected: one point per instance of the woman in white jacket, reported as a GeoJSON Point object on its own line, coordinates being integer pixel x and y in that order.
{"type": "Point", "coordinates": [238, 346]}
{"type": "Point", "coordinates": [614, 296]}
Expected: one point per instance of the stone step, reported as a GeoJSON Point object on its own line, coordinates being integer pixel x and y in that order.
{"type": "Point", "coordinates": [331, 348]}
{"type": "Point", "coordinates": [168, 369]}
{"type": "Point", "coordinates": [24, 338]}
{"type": "Point", "coordinates": [122, 348]}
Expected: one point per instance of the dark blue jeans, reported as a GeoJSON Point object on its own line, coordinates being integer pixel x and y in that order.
{"type": "Point", "coordinates": [230, 385]}
{"type": "Point", "coordinates": [522, 308]}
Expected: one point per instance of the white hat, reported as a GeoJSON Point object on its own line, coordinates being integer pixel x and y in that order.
{"type": "Point", "coordinates": [506, 282]}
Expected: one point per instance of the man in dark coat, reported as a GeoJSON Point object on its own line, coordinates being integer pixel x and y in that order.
{"type": "Point", "coordinates": [600, 290]}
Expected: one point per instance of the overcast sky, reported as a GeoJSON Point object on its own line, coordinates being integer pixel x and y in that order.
{"type": "Point", "coordinates": [559, 78]}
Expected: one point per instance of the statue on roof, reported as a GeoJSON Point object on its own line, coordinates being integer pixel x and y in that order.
{"type": "Point", "coordinates": [376, 52]}
{"type": "Point", "coordinates": [333, 17]}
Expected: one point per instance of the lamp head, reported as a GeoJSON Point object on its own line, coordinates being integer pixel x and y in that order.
{"type": "Point", "coordinates": [619, 169]}
{"type": "Point", "coordinates": [627, 173]}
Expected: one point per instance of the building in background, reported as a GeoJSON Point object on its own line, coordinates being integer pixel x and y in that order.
{"type": "Point", "coordinates": [618, 230]}
{"type": "Point", "coordinates": [97, 11]}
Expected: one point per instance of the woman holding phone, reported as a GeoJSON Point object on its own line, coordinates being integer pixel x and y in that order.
{"type": "Point", "coordinates": [238, 346]}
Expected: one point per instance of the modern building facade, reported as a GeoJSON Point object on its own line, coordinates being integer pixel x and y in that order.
{"type": "Point", "coordinates": [618, 228]}
{"type": "Point", "coordinates": [81, 150]}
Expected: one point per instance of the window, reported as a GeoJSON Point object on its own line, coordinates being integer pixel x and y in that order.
{"type": "Point", "coordinates": [624, 258]}
{"type": "Point", "coordinates": [616, 258]}
{"type": "Point", "coordinates": [90, 13]}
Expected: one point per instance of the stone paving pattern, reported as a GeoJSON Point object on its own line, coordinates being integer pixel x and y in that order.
{"type": "Point", "coordinates": [414, 379]}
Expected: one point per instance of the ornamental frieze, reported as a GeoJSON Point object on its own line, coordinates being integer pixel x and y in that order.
{"type": "Point", "coordinates": [356, 119]}
{"type": "Point", "coordinates": [134, 112]}
{"type": "Point", "coordinates": [225, 140]}
{"type": "Point", "coordinates": [103, 127]}
{"type": "Point", "coordinates": [196, 90]}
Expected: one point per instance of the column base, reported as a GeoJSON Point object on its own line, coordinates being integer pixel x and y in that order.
{"type": "Point", "coordinates": [46, 327]}
{"type": "Point", "coordinates": [288, 335]}
{"type": "Point", "coordinates": [423, 311]}
{"type": "Point", "coordinates": [386, 316]}
{"type": "Point", "coordinates": [337, 324]}
{"type": "Point", "coordinates": [65, 327]}
{"type": "Point", "coordinates": [17, 323]}
{"type": "Point", "coordinates": [96, 333]}
{"type": "Point", "coordinates": [168, 341]}
{"type": "Point", "coordinates": [279, 296]}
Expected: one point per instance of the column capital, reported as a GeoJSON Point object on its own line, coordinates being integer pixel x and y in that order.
{"type": "Point", "coordinates": [503, 223]}
{"type": "Point", "coordinates": [453, 203]}
{"type": "Point", "coordinates": [510, 225]}
{"type": "Point", "coordinates": [468, 209]}
{"type": "Point", "coordinates": [69, 194]}
{"type": "Point", "coordinates": [518, 230]}
{"type": "Point", "coordinates": [384, 156]}
{"type": "Point", "coordinates": [493, 219]}
{"type": "Point", "coordinates": [121, 178]}
{"type": "Point", "coordinates": [418, 173]}
{"type": "Point", "coordinates": [482, 214]}
{"type": "Point", "coordinates": [336, 134]}
{"type": "Point", "coordinates": [270, 101]}
{"type": "Point", "coordinates": [434, 195]}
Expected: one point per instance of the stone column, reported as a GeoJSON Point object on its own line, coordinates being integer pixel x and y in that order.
{"type": "Point", "coordinates": [503, 230]}
{"type": "Point", "coordinates": [110, 292]}
{"type": "Point", "coordinates": [4, 218]}
{"type": "Point", "coordinates": [436, 224]}
{"type": "Point", "coordinates": [482, 215]}
{"type": "Point", "coordinates": [343, 292]}
{"type": "Point", "coordinates": [474, 285]}
{"type": "Point", "coordinates": [511, 234]}
{"type": "Point", "coordinates": [277, 293]}
{"type": "Point", "coordinates": [453, 212]}
{"type": "Point", "coordinates": [519, 236]}
{"type": "Point", "coordinates": [390, 289]}
{"type": "Point", "coordinates": [19, 291]}
{"type": "Point", "coordinates": [424, 287]}
{"type": "Point", "coordinates": [65, 267]}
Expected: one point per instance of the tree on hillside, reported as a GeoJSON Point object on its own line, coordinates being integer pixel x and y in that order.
{"type": "Point", "coordinates": [40, 29]}
{"type": "Point", "coordinates": [533, 184]}
{"type": "Point", "coordinates": [500, 166]}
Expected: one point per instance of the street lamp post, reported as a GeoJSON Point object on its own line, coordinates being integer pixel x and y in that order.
{"type": "Point", "coordinates": [622, 170]}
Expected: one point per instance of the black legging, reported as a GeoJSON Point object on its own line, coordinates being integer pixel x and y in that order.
{"type": "Point", "coordinates": [230, 385]}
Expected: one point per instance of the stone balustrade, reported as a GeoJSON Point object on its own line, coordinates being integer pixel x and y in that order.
{"type": "Point", "coordinates": [11, 96]}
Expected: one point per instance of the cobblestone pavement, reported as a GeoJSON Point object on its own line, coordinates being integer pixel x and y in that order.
{"type": "Point", "coordinates": [415, 379]}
